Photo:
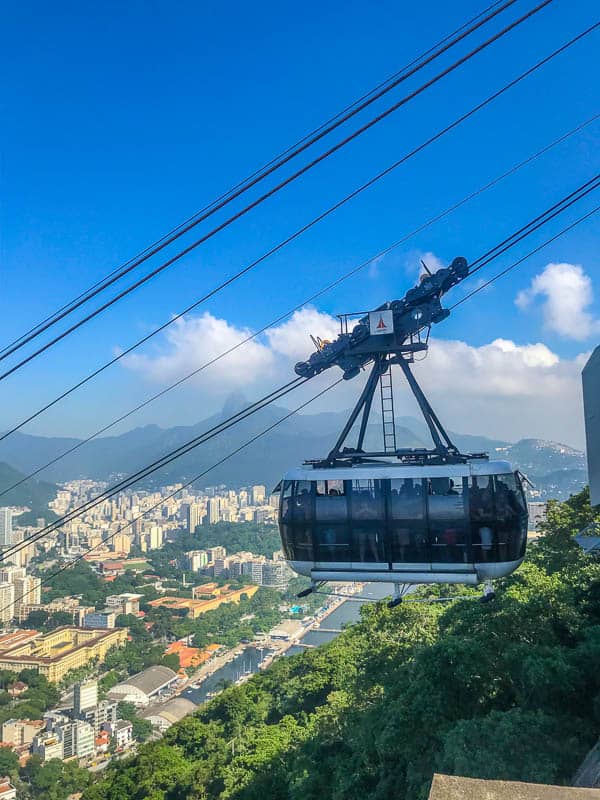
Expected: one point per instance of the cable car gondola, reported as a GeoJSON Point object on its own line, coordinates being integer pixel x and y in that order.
{"type": "Point", "coordinates": [407, 516]}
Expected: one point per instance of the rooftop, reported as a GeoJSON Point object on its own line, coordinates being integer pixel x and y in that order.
{"type": "Point", "coordinates": [128, 596]}
{"type": "Point", "coordinates": [51, 647]}
{"type": "Point", "coordinates": [451, 787]}
{"type": "Point", "coordinates": [151, 679]}
{"type": "Point", "coordinates": [188, 656]}
{"type": "Point", "coordinates": [171, 711]}
{"type": "Point", "coordinates": [10, 640]}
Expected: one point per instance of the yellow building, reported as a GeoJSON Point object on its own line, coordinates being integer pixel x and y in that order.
{"type": "Point", "coordinates": [197, 607]}
{"type": "Point", "coordinates": [121, 543]}
{"type": "Point", "coordinates": [56, 653]}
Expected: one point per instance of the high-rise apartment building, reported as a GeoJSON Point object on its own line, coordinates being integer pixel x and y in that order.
{"type": "Point", "coordinates": [121, 543]}
{"type": "Point", "coordinates": [28, 591]}
{"type": "Point", "coordinates": [10, 573]}
{"type": "Point", "coordinates": [85, 696]}
{"type": "Point", "coordinates": [193, 516]}
{"type": "Point", "coordinates": [7, 601]}
{"type": "Point", "coordinates": [275, 574]}
{"type": "Point", "coordinates": [47, 745]}
{"type": "Point", "coordinates": [77, 738]}
{"type": "Point", "coordinates": [537, 512]}
{"type": "Point", "coordinates": [196, 560]}
{"type": "Point", "coordinates": [214, 510]}
{"type": "Point", "coordinates": [254, 569]}
{"type": "Point", "coordinates": [6, 533]}
{"type": "Point", "coordinates": [221, 566]}
{"type": "Point", "coordinates": [105, 713]}
{"type": "Point", "coordinates": [274, 501]}
{"type": "Point", "coordinates": [155, 537]}
{"type": "Point", "coordinates": [258, 495]}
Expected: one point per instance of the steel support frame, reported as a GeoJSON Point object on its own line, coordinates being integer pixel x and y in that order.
{"type": "Point", "coordinates": [444, 450]}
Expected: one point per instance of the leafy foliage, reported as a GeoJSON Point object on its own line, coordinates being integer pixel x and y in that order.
{"type": "Point", "coordinates": [141, 727]}
{"type": "Point", "coordinates": [54, 779]}
{"type": "Point", "coordinates": [262, 539]}
{"type": "Point", "coordinates": [39, 697]}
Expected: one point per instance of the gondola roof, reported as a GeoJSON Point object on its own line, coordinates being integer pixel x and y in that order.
{"type": "Point", "coordinates": [381, 470]}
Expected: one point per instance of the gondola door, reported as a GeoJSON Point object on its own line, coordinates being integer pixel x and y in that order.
{"type": "Point", "coordinates": [368, 525]}
{"type": "Point", "coordinates": [448, 524]}
{"type": "Point", "coordinates": [407, 526]}
{"type": "Point", "coordinates": [332, 532]}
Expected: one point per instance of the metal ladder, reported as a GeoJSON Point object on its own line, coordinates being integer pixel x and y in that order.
{"type": "Point", "coordinates": [387, 411]}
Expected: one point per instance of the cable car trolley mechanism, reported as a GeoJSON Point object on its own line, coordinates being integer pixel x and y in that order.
{"type": "Point", "coordinates": [401, 515]}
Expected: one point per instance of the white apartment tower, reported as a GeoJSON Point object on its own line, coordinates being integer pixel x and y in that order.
{"type": "Point", "coordinates": [214, 509]}
{"type": "Point", "coordinates": [6, 533]}
{"type": "Point", "coordinates": [155, 537]}
{"type": "Point", "coordinates": [28, 591]}
{"type": "Point", "coordinates": [258, 495]}
{"type": "Point", "coordinates": [85, 696]}
{"type": "Point", "coordinates": [194, 516]}
{"type": "Point", "coordinates": [7, 601]}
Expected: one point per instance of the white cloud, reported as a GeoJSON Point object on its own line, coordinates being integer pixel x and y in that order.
{"type": "Point", "coordinates": [192, 341]}
{"type": "Point", "coordinates": [432, 261]}
{"type": "Point", "coordinates": [505, 390]}
{"type": "Point", "coordinates": [415, 259]}
{"type": "Point", "coordinates": [292, 338]}
{"type": "Point", "coordinates": [500, 389]}
{"type": "Point", "coordinates": [567, 292]}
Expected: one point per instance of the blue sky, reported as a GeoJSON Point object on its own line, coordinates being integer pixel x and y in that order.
{"type": "Point", "coordinates": [121, 120]}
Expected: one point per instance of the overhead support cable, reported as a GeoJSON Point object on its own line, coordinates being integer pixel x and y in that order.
{"type": "Point", "coordinates": [299, 231]}
{"type": "Point", "coordinates": [256, 406]}
{"type": "Point", "coordinates": [303, 144]}
{"type": "Point", "coordinates": [558, 208]}
{"type": "Point", "coordinates": [286, 314]}
{"type": "Point", "coordinates": [46, 579]}
{"type": "Point", "coordinates": [515, 264]}
{"type": "Point", "coordinates": [277, 188]}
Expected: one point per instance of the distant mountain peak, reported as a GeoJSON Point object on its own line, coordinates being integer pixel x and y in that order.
{"type": "Point", "coordinates": [234, 403]}
{"type": "Point", "coordinates": [548, 444]}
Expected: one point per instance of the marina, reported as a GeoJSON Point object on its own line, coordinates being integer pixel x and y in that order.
{"type": "Point", "coordinates": [245, 663]}
{"type": "Point", "coordinates": [238, 665]}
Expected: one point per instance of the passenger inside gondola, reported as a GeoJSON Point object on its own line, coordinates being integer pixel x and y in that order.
{"type": "Point", "coordinates": [481, 511]}
{"type": "Point", "coordinates": [331, 530]}
{"type": "Point", "coordinates": [408, 522]}
{"type": "Point", "coordinates": [365, 506]}
{"type": "Point", "coordinates": [447, 521]}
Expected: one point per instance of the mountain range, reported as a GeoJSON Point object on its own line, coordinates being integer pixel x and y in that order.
{"type": "Point", "coordinates": [556, 469]}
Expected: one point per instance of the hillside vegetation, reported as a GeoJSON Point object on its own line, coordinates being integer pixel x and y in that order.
{"type": "Point", "coordinates": [508, 690]}
{"type": "Point", "coordinates": [31, 493]}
